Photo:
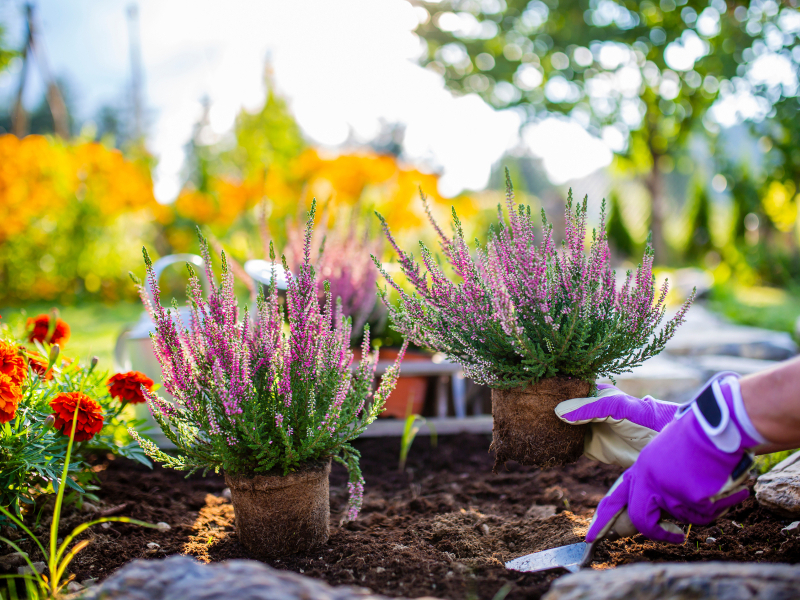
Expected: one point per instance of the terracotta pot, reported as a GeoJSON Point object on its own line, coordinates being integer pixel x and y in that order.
{"type": "Point", "coordinates": [526, 428]}
{"type": "Point", "coordinates": [277, 515]}
{"type": "Point", "coordinates": [409, 390]}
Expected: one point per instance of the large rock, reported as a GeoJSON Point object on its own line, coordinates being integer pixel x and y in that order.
{"type": "Point", "coordinates": [183, 578]}
{"type": "Point", "coordinates": [715, 363]}
{"type": "Point", "coordinates": [663, 378]}
{"type": "Point", "coordinates": [779, 489]}
{"type": "Point", "coordinates": [706, 333]}
{"type": "Point", "coordinates": [681, 581]}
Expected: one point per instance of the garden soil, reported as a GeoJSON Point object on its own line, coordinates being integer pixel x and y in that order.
{"type": "Point", "coordinates": [443, 528]}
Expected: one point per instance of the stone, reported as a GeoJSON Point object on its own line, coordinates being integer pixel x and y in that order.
{"type": "Point", "coordinates": [163, 526]}
{"type": "Point", "coordinates": [74, 586]}
{"type": "Point", "coordinates": [710, 540]}
{"type": "Point", "coordinates": [10, 562]}
{"type": "Point", "coordinates": [662, 377]}
{"type": "Point", "coordinates": [26, 570]}
{"type": "Point", "coordinates": [791, 527]}
{"type": "Point", "coordinates": [681, 581]}
{"type": "Point", "coordinates": [705, 333]}
{"type": "Point", "coordinates": [714, 363]}
{"type": "Point", "coordinates": [539, 512]}
{"type": "Point", "coordinates": [183, 578]}
{"type": "Point", "coordinates": [779, 489]}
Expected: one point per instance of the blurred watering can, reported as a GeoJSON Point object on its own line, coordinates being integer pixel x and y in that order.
{"type": "Point", "coordinates": [134, 351]}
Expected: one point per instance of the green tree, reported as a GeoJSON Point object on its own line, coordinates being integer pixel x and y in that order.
{"type": "Point", "coordinates": [618, 233]}
{"type": "Point", "coordinates": [644, 72]}
{"type": "Point", "coordinates": [699, 224]}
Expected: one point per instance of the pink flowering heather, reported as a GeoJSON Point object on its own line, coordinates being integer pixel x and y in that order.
{"type": "Point", "coordinates": [343, 260]}
{"type": "Point", "coordinates": [269, 393]}
{"type": "Point", "coordinates": [519, 311]}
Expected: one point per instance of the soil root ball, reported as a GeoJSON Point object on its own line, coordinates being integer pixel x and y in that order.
{"type": "Point", "coordinates": [278, 515]}
{"type": "Point", "coordinates": [526, 428]}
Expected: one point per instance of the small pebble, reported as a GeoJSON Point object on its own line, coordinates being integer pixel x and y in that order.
{"type": "Point", "coordinates": [759, 552]}
{"type": "Point", "coordinates": [485, 529]}
{"type": "Point", "coordinates": [153, 545]}
{"type": "Point", "coordinates": [105, 525]}
{"type": "Point", "coordinates": [710, 540]}
{"type": "Point", "coordinates": [89, 582]}
{"type": "Point", "coordinates": [791, 527]}
{"type": "Point", "coordinates": [226, 493]}
{"type": "Point", "coordinates": [74, 586]}
{"type": "Point", "coordinates": [26, 570]}
{"type": "Point", "coordinates": [379, 569]}
{"type": "Point", "coordinates": [302, 571]}
{"type": "Point", "coordinates": [163, 526]}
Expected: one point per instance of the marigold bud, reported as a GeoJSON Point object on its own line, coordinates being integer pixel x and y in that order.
{"type": "Point", "coordinates": [49, 422]}
{"type": "Point", "coordinates": [55, 350]}
{"type": "Point", "coordinates": [94, 362]}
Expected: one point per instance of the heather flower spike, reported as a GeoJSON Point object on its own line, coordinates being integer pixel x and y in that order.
{"type": "Point", "coordinates": [521, 310]}
{"type": "Point", "coordinates": [274, 391]}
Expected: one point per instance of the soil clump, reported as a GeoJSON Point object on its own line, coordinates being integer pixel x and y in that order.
{"type": "Point", "coordinates": [443, 528]}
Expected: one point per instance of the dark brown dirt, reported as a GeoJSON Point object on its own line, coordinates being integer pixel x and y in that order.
{"type": "Point", "coordinates": [441, 529]}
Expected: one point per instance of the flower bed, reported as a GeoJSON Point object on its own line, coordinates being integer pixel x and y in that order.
{"type": "Point", "coordinates": [446, 522]}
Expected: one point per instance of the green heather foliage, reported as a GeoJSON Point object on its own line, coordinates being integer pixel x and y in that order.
{"type": "Point", "coordinates": [519, 312]}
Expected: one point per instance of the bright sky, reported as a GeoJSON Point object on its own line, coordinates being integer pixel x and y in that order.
{"type": "Point", "coordinates": [341, 63]}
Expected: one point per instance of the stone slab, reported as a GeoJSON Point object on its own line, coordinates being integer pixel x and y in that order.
{"type": "Point", "coordinates": [662, 377]}
{"type": "Point", "coordinates": [714, 363]}
{"type": "Point", "coordinates": [779, 489]}
{"type": "Point", "coordinates": [707, 333]}
{"type": "Point", "coordinates": [183, 578]}
{"type": "Point", "coordinates": [681, 581]}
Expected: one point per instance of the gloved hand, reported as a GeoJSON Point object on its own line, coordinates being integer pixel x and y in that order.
{"type": "Point", "coordinates": [620, 424]}
{"type": "Point", "coordinates": [693, 470]}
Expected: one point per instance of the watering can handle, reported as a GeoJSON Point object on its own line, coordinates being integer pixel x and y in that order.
{"type": "Point", "coordinates": [165, 261]}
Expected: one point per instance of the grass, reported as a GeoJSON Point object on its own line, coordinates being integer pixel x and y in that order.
{"type": "Point", "coordinates": [94, 326]}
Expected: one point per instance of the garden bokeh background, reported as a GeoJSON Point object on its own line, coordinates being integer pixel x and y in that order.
{"type": "Point", "coordinates": [128, 125]}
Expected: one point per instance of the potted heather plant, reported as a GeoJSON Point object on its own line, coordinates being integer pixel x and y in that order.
{"type": "Point", "coordinates": [536, 323]}
{"type": "Point", "coordinates": [269, 401]}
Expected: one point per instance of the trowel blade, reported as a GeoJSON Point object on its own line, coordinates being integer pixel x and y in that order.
{"type": "Point", "coordinates": [565, 557]}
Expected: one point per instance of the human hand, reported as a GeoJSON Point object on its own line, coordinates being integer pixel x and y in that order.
{"type": "Point", "coordinates": [693, 470]}
{"type": "Point", "coordinates": [620, 424]}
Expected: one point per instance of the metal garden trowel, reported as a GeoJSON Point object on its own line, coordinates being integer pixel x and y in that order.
{"type": "Point", "coordinates": [577, 556]}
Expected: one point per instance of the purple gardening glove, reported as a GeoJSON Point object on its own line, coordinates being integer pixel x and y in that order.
{"type": "Point", "coordinates": [620, 425]}
{"type": "Point", "coordinates": [693, 470]}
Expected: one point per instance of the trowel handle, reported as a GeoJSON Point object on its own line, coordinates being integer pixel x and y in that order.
{"type": "Point", "coordinates": [165, 261]}
{"type": "Point", "coordinates": [620, 527]}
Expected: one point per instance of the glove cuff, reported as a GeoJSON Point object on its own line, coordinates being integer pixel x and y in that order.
{"type": "Point", "coordinates": [720, 412]}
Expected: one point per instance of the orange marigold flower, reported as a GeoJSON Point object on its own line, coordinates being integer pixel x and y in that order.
{"type": "Point", "coordinates": [128, 386]}
{"type": "Point", "coordinates": [10, 395]}
{"type": "Point", "coordinates": [39, 326]}
{"type": "Point", "coordinates": [90, 415]}
{"type": "Point", "coordinates": [12, 363]}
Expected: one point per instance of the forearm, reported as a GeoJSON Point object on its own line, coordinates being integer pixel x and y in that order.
{"type": "Point", "coordinates": [772, 400]}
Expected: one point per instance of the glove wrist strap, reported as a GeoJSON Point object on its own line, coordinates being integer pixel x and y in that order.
{"type": "Point", "coordinates": [720, 412]}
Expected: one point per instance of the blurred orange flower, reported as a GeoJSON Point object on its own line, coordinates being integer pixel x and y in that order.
{"type": "Point", "coordinates": [39, 366]}
{"type": "Point", "coordinates": [10, 395]}
{"type": "Point", "coordinates": [12, 363]}
{"type": "Point", "coordinates": [90, 415]}
{"type": "Point", "coordinates": [39, 327]}
{"type": "Point", "coordinates": [127, 387]}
